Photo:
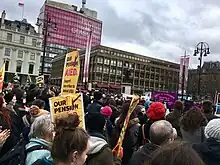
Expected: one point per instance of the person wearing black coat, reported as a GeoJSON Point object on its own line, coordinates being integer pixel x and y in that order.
{"type": "Point", "coordinates": [207, 108]}
{"type": "Point", "coordinates": [175, 116]}
{"type": "Point", "coordinates": [131, 136]}
{"type": "Point", "coordinates": [97, 104]}
{"type": "Point", "coordinates": [9, 120]}
{"type": "Point", "coordinates": [209, 151]}
{"type": "Point", "coordinates": [160, 132]}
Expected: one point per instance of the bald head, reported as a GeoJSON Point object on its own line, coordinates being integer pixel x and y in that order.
{"type": "Point", "coordinates": [160, 132]}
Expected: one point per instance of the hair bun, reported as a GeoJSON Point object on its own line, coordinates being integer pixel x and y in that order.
{"type": "Point", "coordinates": [68, 122]}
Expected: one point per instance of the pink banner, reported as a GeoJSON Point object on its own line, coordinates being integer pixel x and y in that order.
{"type": "Point", "coordinates": [87, 58]}
{"type": "Point", "coordinates": [184, 63]}
{"type": "Point", "coordinates": [181, 74]}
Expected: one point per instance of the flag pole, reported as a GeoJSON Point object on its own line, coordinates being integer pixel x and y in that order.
{"type": "Point", "coordinates": [20, 4]}
{"type": "Point", "coordinates": [22, 13]}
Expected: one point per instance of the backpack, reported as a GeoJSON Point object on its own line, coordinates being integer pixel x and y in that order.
{"type": "Point", "coordinates": [17, 155]}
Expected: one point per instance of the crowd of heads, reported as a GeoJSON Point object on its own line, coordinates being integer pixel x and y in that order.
{"type": "Point", "coordinates": [164, 136]}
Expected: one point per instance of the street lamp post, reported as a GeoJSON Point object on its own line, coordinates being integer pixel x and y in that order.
{"type": "Point", "coordinates": [202, 48]}
{"type": "Point", "coordinates": [46, 24]}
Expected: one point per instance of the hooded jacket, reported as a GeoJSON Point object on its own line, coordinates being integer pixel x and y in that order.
{"type": "Point", "coordinates": [37, 154]}
{"type": "Point", "coordinates": [209, 151]}
{"type": "Point", "coordinates": [100, 152]}
{"type": "Point", "coordinates": [143, 154]}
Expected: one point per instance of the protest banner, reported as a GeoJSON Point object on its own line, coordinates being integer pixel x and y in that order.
{"type": "Point", "coordinates": [133, 104]}
{"type": "Point", "coordinates": [2, 75]}
{"type": "Point", "coordinates": [169, 97]}
{"type": "Point", "coordinates": [71, 71]}
{"type": "Point", "coordinates": [40, 79]}
{"type": "Point", "coordinates": [62, 105]}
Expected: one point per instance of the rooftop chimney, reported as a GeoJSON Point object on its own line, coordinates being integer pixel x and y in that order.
{"type": "Point", "coordinates": [3, 17]}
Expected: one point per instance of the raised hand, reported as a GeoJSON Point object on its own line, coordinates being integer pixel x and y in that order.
{"type": "Point", "coordinates": [4, 135]}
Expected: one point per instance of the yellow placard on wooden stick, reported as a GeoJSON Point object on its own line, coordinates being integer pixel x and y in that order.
{"type": "Point", "coordinates": [2, 75]}
{"type": "Point", "coordinates": [62, 105]}
{"type": "Point", "coordinates": [134, 102]}
{"type": "Point", "coordinates": [71, 72]}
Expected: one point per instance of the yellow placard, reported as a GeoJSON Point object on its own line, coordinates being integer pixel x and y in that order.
{"type": "Point", "coordinates": [2, 75]}
{"type": "Point", "coordinates": [71, 71]}
{"type": "Point", "coordinates": [133, 104]}
{"type": "Point", "coordinates": [61, 105]}
{"type": "Point", "coordinates": [40, 79]}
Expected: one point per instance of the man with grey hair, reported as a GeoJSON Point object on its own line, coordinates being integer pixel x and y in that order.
{"type": "Point", "coordinates": [161, 132]}
{"type": "Point", "coordinates": [41, 137]}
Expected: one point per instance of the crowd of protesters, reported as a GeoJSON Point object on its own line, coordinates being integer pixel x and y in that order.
{"type": "Point", "coordinates": [153, 136]}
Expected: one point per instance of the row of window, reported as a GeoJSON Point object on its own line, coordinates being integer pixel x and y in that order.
{"type": "Point", "coordinates": [152, 84]}
{"type": "Point", "coordinates": [19, 67]}
{"type": "Point", "coordinates": [22, 40]}
{"type": "Point", "coordinates": [106, 70]}
{"type": "Point", "coordinates": [20, 54]}
{"type": "Point", "coordinates": [130, 65]}
{"type": "Point", "coordinates": [107, 62]}
{"type": "Point", "coordinates": [131, 57]}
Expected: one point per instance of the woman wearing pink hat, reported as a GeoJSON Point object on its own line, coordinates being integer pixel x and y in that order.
{"type": "Point", "coordinates": [107, 112]}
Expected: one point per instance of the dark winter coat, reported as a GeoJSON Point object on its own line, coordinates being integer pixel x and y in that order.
{"type": "Point", "coordinates": [95, 107]}
{"type": "Point", "coordinates": [210, 116]}
{"type": "Point", "coordinates": [16, 130]}
{"type": "Point", "coordinates": [209, 151]}
{"type": "Point", "coordinates": [130, 139]}
{"type": "Point", "coordinates": [146, 132]}
{"type": "Point", "coordinates": [100, 152]}
{"type": "Point", "coordinates": [174, 119]}
{"type": "Point", "coordinates": [143, 155]}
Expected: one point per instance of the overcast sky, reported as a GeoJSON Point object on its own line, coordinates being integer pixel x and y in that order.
{"type": "Point", "coordinates": [156, 28]}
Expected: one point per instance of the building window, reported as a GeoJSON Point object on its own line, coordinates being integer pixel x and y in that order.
{"type": "Point", "coordinates": [100, 60]}
{"type": "Point", "coordinates": [105, 70]}
{"type": "Point", "coordinates": [136, 74]}
{"type": "Point", "coordinates": [119, 63]}
{"type": "Point", "coordinates": [112, 71]}
{"type": "Point", "coordinates": [6, 65]}
{"type": "Point", "coordinates": [98, 78]}
{"type": "Point", "coordinates": [119, 72]}
{"type": "Point", "coordinates": [31, 69]}
{"type": "Point", "coordinates": [7, 52]}
{"type": "Point", "coordinates": [20, 54]}
{"type": "Point", "coordinates": [105, 78]}
{"type": "Point", "coordinates": [106, 61]}
{"type": "Point", "coordinates": [32, 56]}
{"type": "Point", "coordinates": [99, 68]}
{"type": "Point", "coordinates": [19, 66]}
{"type": "Point", "coordinates": [22, 39]}
{"type": "Point", "coordinates": [34, 42]}
{"type": "Point", "coordinates": [136, 82]}
{"type": "Point", "coordinates": [9, 37]}
{"type": "Point", "coordinates": [113, 62]}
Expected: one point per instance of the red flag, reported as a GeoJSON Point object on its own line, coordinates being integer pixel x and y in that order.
{"type": "Point", "coordinates": [20, 4]}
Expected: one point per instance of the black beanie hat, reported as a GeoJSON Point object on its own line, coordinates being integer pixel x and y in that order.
{"type": "Point", "coordinates": [97, 95]}
{"type": "Point", "coordinates": [95, 122]}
